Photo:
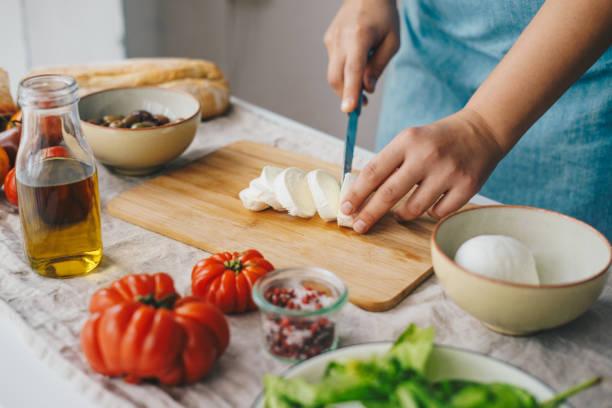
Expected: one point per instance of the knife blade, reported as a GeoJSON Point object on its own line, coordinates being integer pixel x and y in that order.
{"type": "Point", "coordinates": [351, 137]}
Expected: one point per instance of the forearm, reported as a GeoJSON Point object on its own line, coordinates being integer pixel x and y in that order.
{"type": "Point", "coordinates": [562, 41]}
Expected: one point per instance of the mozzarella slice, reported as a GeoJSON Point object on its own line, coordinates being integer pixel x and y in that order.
{"type": "Point", "coordinates": [251, 200]}
{"type": "Point", "coordinates": [291, 189]}
{"type": "Point", "coordinates": [325, 191]}
{"type": "Point", "coordinates": [264, 186]}
{"type": "Point", "coordinates": [343, 219]}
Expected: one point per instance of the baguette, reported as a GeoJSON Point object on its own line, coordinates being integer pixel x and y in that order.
{"type": "Point", "coordinates": [199, 77]}
{"type": "Point", "coordinates": [213, 95]}
{"type": "Point", "coordinates": [7, 106]}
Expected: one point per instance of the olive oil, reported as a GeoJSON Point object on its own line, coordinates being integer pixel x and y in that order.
{"type": "Point", "coordinates": [60, 217]}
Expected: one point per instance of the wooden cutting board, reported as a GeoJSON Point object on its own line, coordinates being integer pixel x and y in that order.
{"type": "Point", "coordinates": [198, 204]}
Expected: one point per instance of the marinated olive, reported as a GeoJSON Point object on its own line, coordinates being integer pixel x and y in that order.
{"type": "Point", "coordinates": [143, 115]}
{"type": "Point", "coordinates": [161, 119]}
{"type": "Point", "coordinates": [135, 120]}
{"type": "Point", "coordinates": [139, 125]}
{"type": "Point", "coordinates": [130, 119]}
{"type": "Point", "coordinates": [111, 118]}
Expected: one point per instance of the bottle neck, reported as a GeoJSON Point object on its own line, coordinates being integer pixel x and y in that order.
{"type": "Point", "coordinates": [47, 92]}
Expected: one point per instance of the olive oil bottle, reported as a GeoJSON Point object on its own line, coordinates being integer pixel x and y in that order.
{"type": "Point", "coordinates": [57, 181]}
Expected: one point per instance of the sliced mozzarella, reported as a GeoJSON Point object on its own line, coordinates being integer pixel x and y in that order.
{"type": "Point", "coordinates": [265, 194]}
{"type": "Point", "coordinates": [291, 189]}
{"type": "Point", "coordinates": [264, 185]}
{"type": "Point", "coordinates": [343, 219]}
{"type": "Point", "coordinates": [325, 191]}
{"type": "Point", "coordinates": [251, 200]}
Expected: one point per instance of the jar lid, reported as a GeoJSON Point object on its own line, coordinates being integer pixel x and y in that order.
{"type": "Point", "coordinates": [47, 91]}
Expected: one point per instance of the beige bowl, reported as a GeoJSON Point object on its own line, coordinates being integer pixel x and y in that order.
{"type": "Point", "coordinates": [573, 261]}
{"type": "Point", "coordinates": [145, 150]}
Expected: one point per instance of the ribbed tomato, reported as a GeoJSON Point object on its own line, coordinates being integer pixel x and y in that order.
{"type": "Point", "coordinates": [141, 329]}
{"type": "Point", "coordinates": [10, 187]}
{"type": "Point", "coordinates": [227, 278]}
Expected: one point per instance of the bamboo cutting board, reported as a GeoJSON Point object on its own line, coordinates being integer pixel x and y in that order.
{"type": "Point", "coordinates": [198, 204]}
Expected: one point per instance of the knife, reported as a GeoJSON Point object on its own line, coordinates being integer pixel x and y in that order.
{"type": "Point", "coordinates": [351, 136]}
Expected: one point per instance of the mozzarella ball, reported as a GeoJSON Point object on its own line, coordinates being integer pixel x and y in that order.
{"type": "Point", "coordinates": [499, 257]}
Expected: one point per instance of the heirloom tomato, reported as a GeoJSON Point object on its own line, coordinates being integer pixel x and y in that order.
{"type": "Point", "coordinates": [227, 278]}
{"type": "Point", "coordinates": [140, 328]}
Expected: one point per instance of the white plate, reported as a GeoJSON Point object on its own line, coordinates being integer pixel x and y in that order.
{"type": "Point", "coordinates": [445, 362]}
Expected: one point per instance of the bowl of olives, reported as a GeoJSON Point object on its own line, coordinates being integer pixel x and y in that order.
{"type": "Point", "coordinates": [136, 131]}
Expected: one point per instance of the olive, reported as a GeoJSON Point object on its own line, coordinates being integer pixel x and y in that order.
{"type": "Point", "coordinates": [116, 124]}
{"type": "Point", "coordinates": [143, 115]}
{"type": "Point", "coordinates": [94, 121]}
{"type": "Point", "coordinates": [130, 119]}
{"type": "Point", "coordinates": [145, 124]}
{"type": "Point", "coordinates": [161, 119]}
{"type": "Point", "coordinates": [111, 118]}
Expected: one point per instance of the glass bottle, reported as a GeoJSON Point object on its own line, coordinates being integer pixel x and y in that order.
{"type": "Point", "coordinates": [57, 180]}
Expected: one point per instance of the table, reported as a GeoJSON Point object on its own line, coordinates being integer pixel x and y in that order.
{"type": "Point", "coordinates": [40, 318]}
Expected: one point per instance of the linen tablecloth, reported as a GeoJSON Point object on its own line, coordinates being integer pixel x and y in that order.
{"type": "Point", "coordinates": [50, 313]}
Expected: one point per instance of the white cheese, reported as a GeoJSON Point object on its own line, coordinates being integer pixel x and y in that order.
{"type": "Point", "coordinates": [325, 191]}
{"type": "Point", "coordinates": [292, 192]}
{"type": "Point", "coordinates": [343, 219]}
{"type": "Point", "coordinates": [264, 186]}
{"type": "Point", "coordinates": [499, 257]}
{"type": "Point", "coordinates": [251, 200]}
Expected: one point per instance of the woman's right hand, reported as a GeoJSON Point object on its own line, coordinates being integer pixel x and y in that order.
{"type": "Point", "coordinates": [360, 26]}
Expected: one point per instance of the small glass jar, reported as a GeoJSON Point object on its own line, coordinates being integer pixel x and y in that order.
{"type": "Point", "coordinates": [57, 181]}
{"type": "Point", "coordinates": [299, 311]}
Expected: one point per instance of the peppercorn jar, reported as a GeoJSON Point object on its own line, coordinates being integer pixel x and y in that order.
{"type": "Point", "coordinates": [299, 308]}
{"type": "Point", "coordinates": [57, 181]}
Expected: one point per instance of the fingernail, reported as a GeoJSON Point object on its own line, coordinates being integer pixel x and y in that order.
{"type": "Point", "coordinates": [346, 208]}
{"type": "Point", "coordinates": [346, 105]}
{"type": "Point", "coordinates": [360, 227]}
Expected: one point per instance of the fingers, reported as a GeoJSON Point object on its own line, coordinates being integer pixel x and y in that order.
{"type": "Point", "coordinates": [354, 68]}
{"type": "Point", "coordinates": [423, 198]}
{"type": "Point", "coordinates": [389, 193]}
{"type": "Point", "coordinates": [372, 175]}
{"type": "Point", "coordinates": [379, 60]}
{"type": "Point", "coordinates": [335, 73]}
{"type": "Point", "coordinates": [451, 201]}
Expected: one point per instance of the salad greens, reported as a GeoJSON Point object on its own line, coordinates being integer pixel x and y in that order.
{"type": "Point", "coordinates": [396, 379]}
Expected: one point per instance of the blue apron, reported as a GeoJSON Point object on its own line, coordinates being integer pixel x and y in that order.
{"type": "Point", "coordinates": [448, 47]}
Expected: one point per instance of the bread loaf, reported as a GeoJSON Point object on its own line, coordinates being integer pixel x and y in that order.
{"type": "Point", "coordinates": [7, 106]}
{"type": "Point", "coordinates": [199, 77]}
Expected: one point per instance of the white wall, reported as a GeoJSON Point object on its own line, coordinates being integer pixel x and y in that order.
{"type": "Point", "coordinates": [48, 32]}
{"type": "Point", "coordinates": [271, 51]}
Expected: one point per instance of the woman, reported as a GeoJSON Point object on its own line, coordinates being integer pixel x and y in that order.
{"type": "Point", "coordinates": [465, 90]}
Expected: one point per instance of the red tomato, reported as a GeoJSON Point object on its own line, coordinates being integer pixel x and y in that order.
{"type": "Point", "coordinates": [10, 187]}
{"type": "Point", "coordinates": [51, 129]}
{"type": "Point", "coordinates": [141, 328]}
{"type": "Point", "coordinates": [129, 288]}
{"type": "Point", "coordinates": [56, 151]}
{"type": "Point", "coordinates": [226, 279]}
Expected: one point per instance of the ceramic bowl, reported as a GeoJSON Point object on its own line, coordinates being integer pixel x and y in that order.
{"type": "Point", "coordinates": [444, 363]}
{"type": "Point", "coordinates": [145, 150]}
{"type": "Point", "coordinates": [573, 262]}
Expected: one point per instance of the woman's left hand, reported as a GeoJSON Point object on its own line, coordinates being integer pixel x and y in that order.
{"type": "Point", "coordinates": [448, 160]}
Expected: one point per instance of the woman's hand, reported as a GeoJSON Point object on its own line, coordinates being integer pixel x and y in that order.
{"type": "Point", "coordinates": [360, 26]}
{"type": "Point", "coordinates": [449, 160]}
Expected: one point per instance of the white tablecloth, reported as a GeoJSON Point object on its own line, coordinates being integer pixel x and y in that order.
{"type": "Point", "coordinates": [44, 316]}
